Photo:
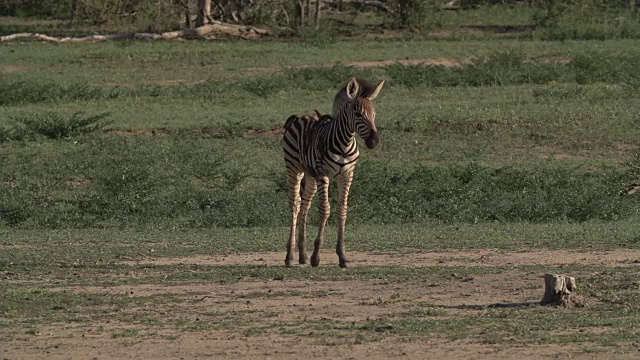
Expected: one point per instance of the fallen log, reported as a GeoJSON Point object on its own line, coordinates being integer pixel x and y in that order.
{"type": "Point", "coordinates": [217, 28]}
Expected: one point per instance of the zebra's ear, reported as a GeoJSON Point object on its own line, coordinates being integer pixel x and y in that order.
{"type": "Point", "coordinates": [353, 88]}
{"type": "Point", "coordinates": [376, 91]}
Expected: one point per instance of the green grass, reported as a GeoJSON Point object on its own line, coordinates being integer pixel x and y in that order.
{"type": "Point", "coordinates": [608, 321]}
{"type": "Point", "coordinates": [104, 248]}
{"type": "Point", "coordinates": [503, 139]}
{"type": "Point", "coordinates": [187, 181]}
{"type": "Point", "coordinates": [126, 63]}
{"type": "Point", "coordinates": [508, 152]}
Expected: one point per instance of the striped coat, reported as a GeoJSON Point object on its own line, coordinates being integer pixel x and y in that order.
{"type": "Point", "coordinates": [318, 148]}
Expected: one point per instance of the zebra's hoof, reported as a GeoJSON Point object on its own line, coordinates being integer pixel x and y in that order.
{"type": "Point", "coordinates": [345, 264]}
{"type": "Point", "coordinates": [288, 261]}
{"type": "Point", "coordinates": [315, 261]}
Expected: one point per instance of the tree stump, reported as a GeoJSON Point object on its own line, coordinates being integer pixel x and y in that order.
{"type": "Point", "coordinates": [558, 290]}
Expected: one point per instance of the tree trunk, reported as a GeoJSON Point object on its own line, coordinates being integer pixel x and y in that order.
{"type": "Point", "coordinates": [74, 9]}
{"type": "Point", "coordinates": [187, 19]}
{"type": "Point", "coordinates": [299, 13]}
{"type": "Point", "coordinates": [204, 12]}
{"type": "Point", "coordinates": [317, 14]}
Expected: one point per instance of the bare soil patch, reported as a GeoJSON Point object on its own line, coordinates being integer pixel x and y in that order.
{"type": "Point", "coordinates": [293, 304]}
{"type": "Point", "coordinates": [147, 132]}
{"type": "Point", "coordinates": [276, 318]}
{"type": "Point", "coordinates": [443, 61]}
{"type": "Point", "coordinates": [18, 246]}
{"type": "Point", "coordinates": [11, 68]}
{"type": "Point", "coordinates": [433, 61]}
{"type": "Point", "coordinates": [275, 131]}
{"type": "Point", "coordinates": [218, 344]}
{"type": "Point", "coordinates": [165, 82]}
{"type": "Point", "coordinates": [79, 183]}
{"type": "Point", "coordinates": [415, 258]}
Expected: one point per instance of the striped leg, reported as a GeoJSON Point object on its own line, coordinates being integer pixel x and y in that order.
{"type": "Point", "coordinates": [325, 210]}
{"type": "Point", "coordinates": [294, 203]}
{"type": "Point", "coordinates": [309, 187]}
{"type": "Point", "coordinates": [344, 184]}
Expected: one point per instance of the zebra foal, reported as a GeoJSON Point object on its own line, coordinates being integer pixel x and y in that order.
{"type": "Point", "coordinates": [319, 148]}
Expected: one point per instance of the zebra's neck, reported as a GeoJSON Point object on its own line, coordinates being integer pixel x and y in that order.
{"type": "Point", "coordinates": [345, 131]}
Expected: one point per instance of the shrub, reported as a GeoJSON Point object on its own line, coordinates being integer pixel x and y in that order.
{"type": "Point", "coordinates": [409, 13]}
{"type": "Point", "coordinates": [585, 19]}
{"type": "Point", "coordinates": [472, 193]}
{"type": "Point", "coordinates": [21, 92]}
{"type": "Point", "coordinates": [55, 126]}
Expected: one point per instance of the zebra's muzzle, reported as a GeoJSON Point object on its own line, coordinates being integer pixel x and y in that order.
{"type": "Point", "coordinates": [373, 140]}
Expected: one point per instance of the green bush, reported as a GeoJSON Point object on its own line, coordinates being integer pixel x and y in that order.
{"type": "Point", "coordinates": [509, 67]}
{"type": "Point", "coordinates": [36, 8]}
{"type": "Point", "coordinates": [21, 92]}
{"type": "Point", "coordinates": [186, 181]}
{"type": "Point", "coordinates": [586, 20]}
{"type": "Point", "coordinates": [55, 126]}
{"type": "Point", "coordinates": [500, 68]}
{"type": "Point", "coordinates": [473, 193]}
{"type": "Point", "coordinates": [409, 13]}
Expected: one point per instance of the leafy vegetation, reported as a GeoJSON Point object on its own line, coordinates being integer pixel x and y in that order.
{"type": "Point", "coordinates": [211, 174]}
{"type": "Point", "coordinates": [54, 126]}
{"type": "Point", "coordinates": [544, 19]}
{"type": "Point", "coordinates": [130, 171]}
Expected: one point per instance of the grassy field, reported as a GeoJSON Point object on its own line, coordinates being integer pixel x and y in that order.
{"type": "Point", "coordinates": [143, 200]}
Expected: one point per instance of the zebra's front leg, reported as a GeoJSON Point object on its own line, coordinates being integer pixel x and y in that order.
{"type": "Point", "coordinates": [344, 184]}
{"type": "Point", "coordinates": [294, 203]}
{"type": "Point", "coordinates": [309, 188]}
{"type": "Point", "coordinates": [325, 209]}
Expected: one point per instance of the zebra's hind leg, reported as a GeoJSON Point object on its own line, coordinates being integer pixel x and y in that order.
{"type": "Point", "coordinates": [293, 184]}
{"type": "Point", "coordinates": [309, 187]}
{"type": "Point", "coordinates": [325, 209]}
{"type": "Point", "coordinates": [344, 184]}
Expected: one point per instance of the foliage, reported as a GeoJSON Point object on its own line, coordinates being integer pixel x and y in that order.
{"type": "Point", "coordinates": [474, 193]}
{"type": "Point", "coordinates": [55, 126]}
{"type": "Point", "coordinates": [466, 144]}
{"type": "Point", "coordinates": [141, 181]}
{"type": "Point", "coordinates": [22, 92]}
{"type": "Point", "coordinates": [586, 19]}
{"type": "Point", "coordinates": [409, 13]}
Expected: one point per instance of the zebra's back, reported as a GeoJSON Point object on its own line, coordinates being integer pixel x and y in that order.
{"type": "Point", "coordinates": [302, 144]}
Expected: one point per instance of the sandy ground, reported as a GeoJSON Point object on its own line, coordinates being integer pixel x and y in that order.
{"type": "Point", "coordinates": [415, 258]}
{"type": "Point", "coordinates": [296, 302]}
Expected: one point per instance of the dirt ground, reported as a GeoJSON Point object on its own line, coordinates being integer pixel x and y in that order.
{"type": "Point", "coordinates": [268, 304]}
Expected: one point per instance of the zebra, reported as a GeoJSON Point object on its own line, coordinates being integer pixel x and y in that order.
{"type": "Point", "coordinates": [318, 148]}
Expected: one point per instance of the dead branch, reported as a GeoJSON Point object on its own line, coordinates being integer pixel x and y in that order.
{"type": "Point", "coordinates": [379, 5]}
{"type": "Point", "coordinates": [216, 28]}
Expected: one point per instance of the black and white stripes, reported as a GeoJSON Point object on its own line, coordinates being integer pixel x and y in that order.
{"type": "Point", "coordinates": [318, 148]}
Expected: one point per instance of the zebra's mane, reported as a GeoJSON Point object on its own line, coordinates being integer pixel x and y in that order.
{"type": "Point", "coordinates": [317, 119]}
